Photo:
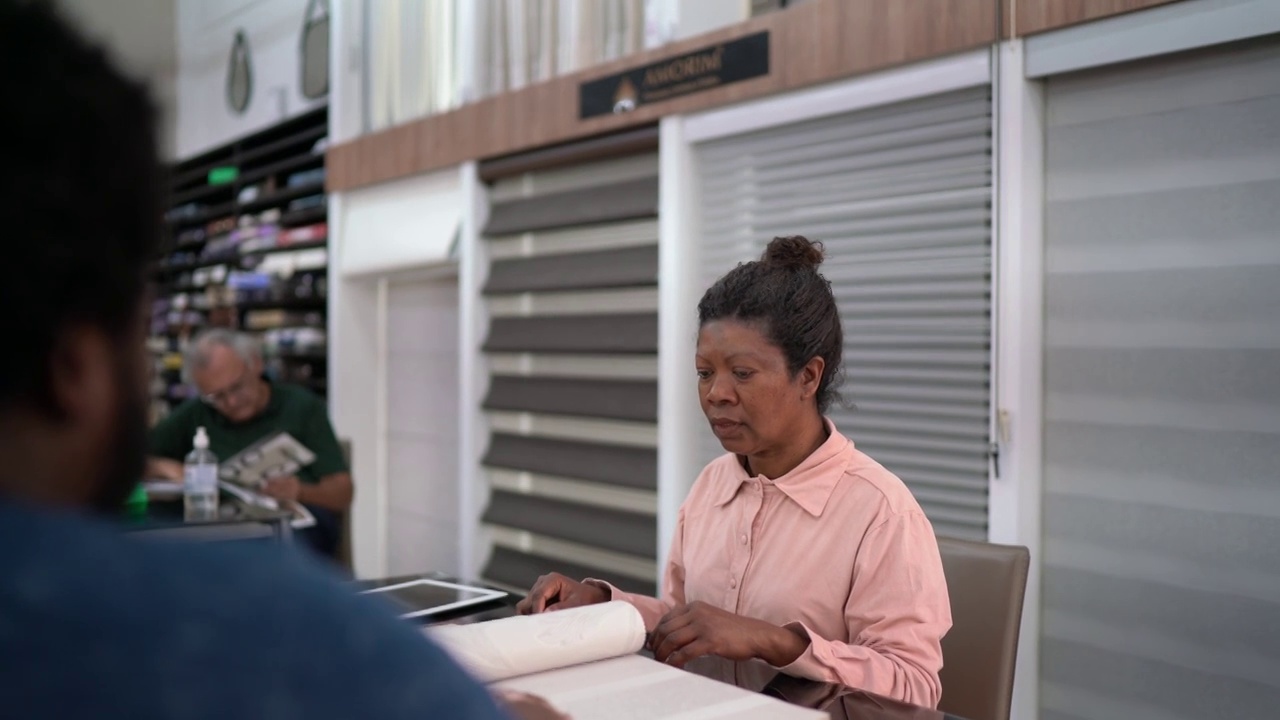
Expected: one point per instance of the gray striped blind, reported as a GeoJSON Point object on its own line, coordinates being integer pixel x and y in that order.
{"type": "Point", "coordinates": [1161, 565]}
{"type": "Point", "coordinates": [571, 293]}
{"type": "Point", "coordinates": [901, 197]}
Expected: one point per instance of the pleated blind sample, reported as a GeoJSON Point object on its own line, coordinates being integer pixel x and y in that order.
{"type": "Point", "coordinates": [900, 196]}
{"type": "Point", "coordinates": [572, 295]}
{"type": "Point", "coordinates": [1161, 566]}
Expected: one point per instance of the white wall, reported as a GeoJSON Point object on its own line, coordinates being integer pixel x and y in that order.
{"type": "Point", "coordinates": [670, 20]}
{"type": "Point", "coordinates": [394, 377]}
{"type": "Point", "coordinates": [355, 406]}
{"type": "Point", "coordinates": [1014, 499]}
{"type": "Point", "coordinates": [393, 363]}
{"type": "Point", "coordinates": [422, 425]}
{"type": "Point", "coordinates": [205, 31]}
{"type": "Point", "coordinates": [406, 223]}
{"type": "Point", "coordinates": [141, 37]}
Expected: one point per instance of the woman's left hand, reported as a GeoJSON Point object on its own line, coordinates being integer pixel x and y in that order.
{"type": "Point", "coordinates": [697, 629]}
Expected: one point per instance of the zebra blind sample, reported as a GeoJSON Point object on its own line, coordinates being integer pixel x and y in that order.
{"type": "Point", "coordinates": [571, 296]}
{"type": "Point", "coordinates": [612, 399]}
{"type": "Point", "coordinates": [1161, 502]}
{"type": "Point", "coordinates": [580, 334]}
{"type": "Point", "coordinates": [900, 196]}
{"type": "Point", "coordinates": [624, 200]}
{"type": "Point", "coordinates": [605, 528]}
{"type": "Point", "coordinates": [518, 569]}
{"type": "Point", "coordinates": [628, 267]}
{"type": "Point", "coordinates": [588, 461]}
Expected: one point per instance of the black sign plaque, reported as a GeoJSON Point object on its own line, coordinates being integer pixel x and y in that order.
{"type": "Point", "coordinates": [710, 67]}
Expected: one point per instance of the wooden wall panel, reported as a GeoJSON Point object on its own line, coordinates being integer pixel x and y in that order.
{"type": "Point", "coordinates": [810, 43]}
{"type": "Point", "coordinates": [1034, 16]}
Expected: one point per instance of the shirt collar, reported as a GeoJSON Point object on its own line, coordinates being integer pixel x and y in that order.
{"type": "Point", "coordinates": [810, 483]}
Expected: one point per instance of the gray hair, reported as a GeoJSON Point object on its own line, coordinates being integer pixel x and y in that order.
{"type": "Point", "coordinates": [196, 356]}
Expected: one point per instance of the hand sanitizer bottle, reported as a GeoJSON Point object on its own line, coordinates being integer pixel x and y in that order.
{"type": "Point", "coordinates": [200, 481]}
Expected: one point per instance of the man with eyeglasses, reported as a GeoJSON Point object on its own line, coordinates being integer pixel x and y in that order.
{"type": "Point", "coordinates": [239, 406]}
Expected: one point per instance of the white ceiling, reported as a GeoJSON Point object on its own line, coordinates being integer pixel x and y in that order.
{"type": "Point", "coordinates": [141, 34]}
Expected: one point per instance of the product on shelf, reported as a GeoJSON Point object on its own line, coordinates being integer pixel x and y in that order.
{"type": "Point", "coordinates": [306, 177]}
{"type": "Point", "coordinates": [280, 318]}
{"type": "Point", "coordinates": [295, 341]}
{"type": "Point", "coordinates": [305, 234]}
{"type": "Point", "coordinates": [183, 212]}
{"type": "Point", "coordinates": [310, 201]}
{"type": "Point", "coordinates": [221, 226]}
{"type": "Point", "coordinates": [191, 236]}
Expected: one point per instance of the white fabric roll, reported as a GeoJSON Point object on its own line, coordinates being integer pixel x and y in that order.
{"type": "Point", "coordinates": [510, 647]}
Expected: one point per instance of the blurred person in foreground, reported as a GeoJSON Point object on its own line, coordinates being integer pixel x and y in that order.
{"type": "Point", "coordinates": [93, 623]}
{"type": "Point", "coordinates": [795, 552]}
{"type": "Point", "coordinates": [238, 406]}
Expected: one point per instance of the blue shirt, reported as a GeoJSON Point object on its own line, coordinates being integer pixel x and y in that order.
{"type": "Point", "coordinates": [94, 623]}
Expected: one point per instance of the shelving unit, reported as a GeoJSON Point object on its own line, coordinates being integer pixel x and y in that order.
{"type": "Point", "coordinates": [248, 253]}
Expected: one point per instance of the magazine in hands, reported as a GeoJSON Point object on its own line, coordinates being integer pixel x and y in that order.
{"type": "Point", "coordinates": [279, 455]}
{"type": "Point", "coordinates": [583, 660]}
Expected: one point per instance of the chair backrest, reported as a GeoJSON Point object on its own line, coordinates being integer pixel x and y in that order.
{"type": "Point", "coordinates": [986, 583]}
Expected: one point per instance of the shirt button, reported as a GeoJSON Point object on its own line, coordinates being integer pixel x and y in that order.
{"type": "Point", "coordinates": [744, 538]}
{"type": "Point", "coordinates": [733, 582]}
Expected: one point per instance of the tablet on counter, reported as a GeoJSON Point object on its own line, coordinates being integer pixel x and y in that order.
{"type": "Point", "coordinates": [423, 597]}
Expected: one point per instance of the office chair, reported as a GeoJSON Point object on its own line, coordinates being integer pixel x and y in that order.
{"type": "Point", "coordinates": [986, 583]}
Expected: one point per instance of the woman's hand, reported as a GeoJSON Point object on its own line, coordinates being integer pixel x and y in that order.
{"type": "Point", "coordinates": [557, 592]}
{"type": "Point", "coordinates": [697, 629]}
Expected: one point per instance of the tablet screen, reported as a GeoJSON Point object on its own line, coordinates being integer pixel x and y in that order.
{"type": "Point", "coordinates": [417, 598]}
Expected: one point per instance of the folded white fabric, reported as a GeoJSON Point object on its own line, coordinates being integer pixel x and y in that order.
{"type": "Point", "coordinates": [510, 647]}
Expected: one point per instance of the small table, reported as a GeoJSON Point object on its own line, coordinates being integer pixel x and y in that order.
{"type": "Point", "coordinates": [235, 521]}
{"type": "Point", "coordinates": [840, 702]}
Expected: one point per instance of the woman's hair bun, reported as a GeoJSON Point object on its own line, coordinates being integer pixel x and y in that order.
{"type": "Point", "coordinates": [794, 251]}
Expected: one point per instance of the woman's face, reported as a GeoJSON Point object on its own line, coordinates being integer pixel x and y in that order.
{"type": "Point", "coordinates": [751, 399]}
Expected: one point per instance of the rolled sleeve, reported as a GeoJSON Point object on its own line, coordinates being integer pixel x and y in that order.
{"type": "Point", "coordinates": [651, 608]}
{"type": "Point", "coordinates": [897, 613]}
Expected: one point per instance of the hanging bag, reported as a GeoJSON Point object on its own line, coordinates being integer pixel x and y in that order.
{"type": "Point", "coordinates": [314, 49]}
{"type": "Point", "coordinates": [239, 74]}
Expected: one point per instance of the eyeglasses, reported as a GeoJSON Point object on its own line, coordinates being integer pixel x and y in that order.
{"type": "Point", "coordinates": [237, 390]}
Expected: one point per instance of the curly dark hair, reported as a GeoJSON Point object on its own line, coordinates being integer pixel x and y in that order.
{"type": "Point", "coordinates": [792, 302]}
{"type": "Point", "coordinates": [80, 195]}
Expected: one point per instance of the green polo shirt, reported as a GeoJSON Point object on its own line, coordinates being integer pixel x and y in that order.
{"type": "Point", "coordinates": [292, 409]}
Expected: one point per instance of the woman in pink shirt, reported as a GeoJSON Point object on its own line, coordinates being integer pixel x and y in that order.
{"type": "Point", "coordinates": [794, 552]}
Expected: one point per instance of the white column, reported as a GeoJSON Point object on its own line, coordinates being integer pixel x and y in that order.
{"type": "Point", "coordinates": [353, 398]}
{"type": "Point", "coordinates": [473, 374]}
{"type": "Point", "coordinates": [346, 70]}
{"type": "Point", "coordinates": [678, 411]}
{"type": "Point", "coordinates": [1014, 509]}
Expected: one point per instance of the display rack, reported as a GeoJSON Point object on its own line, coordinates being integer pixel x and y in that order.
{"type": "Point", "coordinates": [246, 248]}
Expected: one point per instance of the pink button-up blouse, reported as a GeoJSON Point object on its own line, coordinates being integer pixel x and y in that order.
{"type": "Point", "coordinates": [837, 548]}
